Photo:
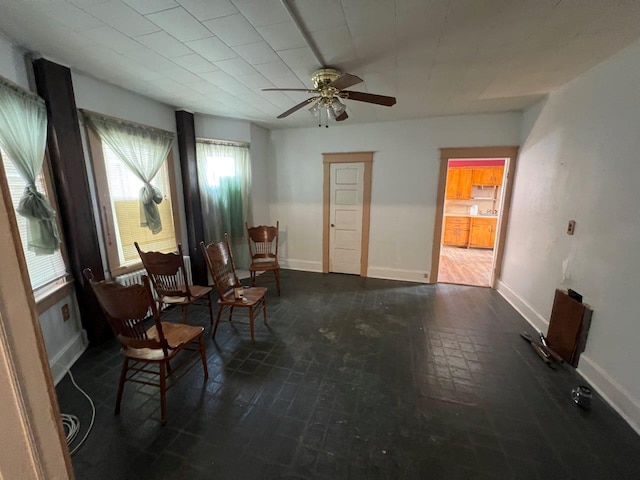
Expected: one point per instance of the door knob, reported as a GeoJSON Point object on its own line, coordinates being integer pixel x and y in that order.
{"type": "Point", "coordinates": [332, 225]}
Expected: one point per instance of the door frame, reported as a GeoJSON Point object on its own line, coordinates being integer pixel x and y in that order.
{"type": "Point", "coordinates": [510, 152]}
{"type": "Point", "coordinates": [31, 420]}
{"type": "Point", "coordinates": [347, 157]}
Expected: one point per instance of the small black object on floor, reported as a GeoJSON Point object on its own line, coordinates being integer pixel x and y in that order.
{"type": "Point", "coordinates": [361, 379]}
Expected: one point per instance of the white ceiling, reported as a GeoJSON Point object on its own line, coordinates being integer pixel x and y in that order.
{"type": "Point", "coordinates": [438, 57]}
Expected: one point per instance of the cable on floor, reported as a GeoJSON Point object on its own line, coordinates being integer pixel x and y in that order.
{"type": "Point", "coordinates": [71, 423]}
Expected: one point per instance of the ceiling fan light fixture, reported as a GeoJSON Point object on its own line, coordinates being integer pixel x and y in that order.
{"type": "Point", "coordinates": [330, 113]}
{"type": "Point", "coordinates": [315, 110]}
{"type": "Point", "coordinates": [338, 107]}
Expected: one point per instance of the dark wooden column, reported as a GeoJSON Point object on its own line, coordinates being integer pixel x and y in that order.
{"type": "Point", "coordinates": [64, 145]}
{"type": "Point", "coordinates": [193, 208]}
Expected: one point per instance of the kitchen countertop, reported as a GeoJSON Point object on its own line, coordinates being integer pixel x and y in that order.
{"type": "Point", "coordinates": [468, 215]}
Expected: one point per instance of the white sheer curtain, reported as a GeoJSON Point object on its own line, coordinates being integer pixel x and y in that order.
{"type": "Point", "coordinates": [23, 135]}
{"type": "Point", "coordinates": [224, 177]}
{"type": "Point", "coordinates": [143, 150]}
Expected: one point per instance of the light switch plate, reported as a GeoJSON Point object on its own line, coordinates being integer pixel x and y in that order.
{"type": "Point", "coordinates": [572, 227]}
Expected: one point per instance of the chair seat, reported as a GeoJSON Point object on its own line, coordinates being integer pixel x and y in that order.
{"type": "Point", "coordinates": [196, 291]}
{"type": "Point", "coordinates": [252, 294]}
{"type": "Point", "coordinates": [176, 334]}
{"type": "Point", "coordinates": [262, 266]}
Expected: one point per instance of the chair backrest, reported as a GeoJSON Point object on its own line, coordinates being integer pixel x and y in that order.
{"type": "Point", "coordinates": [221, 266]}
{"type": "Point", "coordinates": [263, 241]}
{"type": "Point", "coordinates": [167, 271]}
{"type": "Point", "coordinates": [126, 308]}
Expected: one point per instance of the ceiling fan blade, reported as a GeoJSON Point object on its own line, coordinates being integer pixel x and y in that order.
{"type": "Point", "coordinates": [345, 81]}
{"type": "Point", "coordinates": [297, 107]}
{"type": "Point", "coordinates": [288, 90]}
{"type": "Point", "coordinates": [370, 98]}
{"type": "Point", "coordinates": [342, 116]}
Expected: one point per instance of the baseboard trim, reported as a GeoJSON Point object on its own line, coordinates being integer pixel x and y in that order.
{"type": "Point", "coordinates": [612, 392]}
{"type": "Point", "coordinates": [397, 274]}
{"type": "Point", "coordinates": [536, 320]}
{"type": "Point", "coordinates": [64, 360]}
{"type": "Point", "coordinates": [302, 265]}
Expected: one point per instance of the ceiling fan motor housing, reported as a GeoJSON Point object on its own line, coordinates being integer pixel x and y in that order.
{"type": "Point", "coordinates": [324, 77]}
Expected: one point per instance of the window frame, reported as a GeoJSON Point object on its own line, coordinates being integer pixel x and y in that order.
{"type": "Point", "coordinates": [52, 292]}
{"type": "Point", "coordinates": [105, 213]}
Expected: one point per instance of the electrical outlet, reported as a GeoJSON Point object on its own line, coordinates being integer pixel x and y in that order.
{"type": "Point", "coordinates": [426, 275]}
{"type": "Point", "coordinates": [571, 228]}
{"type": "Point", "coordinates": [65, 312]}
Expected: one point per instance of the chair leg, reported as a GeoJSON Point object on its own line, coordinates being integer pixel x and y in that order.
{"type": "Point", "coordinates": [184, 313]}
{"type": "Point", "coordinates": [217, 321]}
{"type": "Point", "coordinates": [276, 273]}
{"type": "Point", "coordinates": [204, 359]}
{"type": "Point", "coordinates": [210, 308]}
{"type": "Point", "coordinates": [231, 313]}
{"type": "Point", "coordinates": [264, 310]}
{"type": "Point", "coordinates": [251, 323]}
{"type": "Point", "coordinates": [253, 278]}
{"type": "Point", "coordinates": [123, 376]}
{"type": "Point", "coordinates": [163, 394]}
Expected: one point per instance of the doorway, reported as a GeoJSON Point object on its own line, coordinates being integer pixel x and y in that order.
{"type": "Point", "coordinates": [346, 209]}
{"type": "Point", "coordinates": [472, 210]}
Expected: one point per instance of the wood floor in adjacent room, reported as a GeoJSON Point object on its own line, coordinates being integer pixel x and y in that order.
{"type": "Point", "coordinates": [465, 266]}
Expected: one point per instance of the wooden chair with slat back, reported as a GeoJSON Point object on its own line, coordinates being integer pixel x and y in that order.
{"type": "Point", "coordinates": [171, 282]}
{"type": "Point", "coordinates": [263, 247]}
{"type": "Point", "coordinates": [126, 308]}
{"type": "Point", "coordinates": [223, 272]}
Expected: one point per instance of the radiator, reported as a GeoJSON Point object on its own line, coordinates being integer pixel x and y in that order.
{"type": "Point", "coordinates": [133, 278]}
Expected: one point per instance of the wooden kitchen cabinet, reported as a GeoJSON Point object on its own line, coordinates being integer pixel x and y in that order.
{"type": "Point", "coordinates": [459, 181]}
{"type": "Point", "coordinates": [482, 233]}
{"type": "Point", "coordinates": [456, 231]}
{"type": "Point", "coordinates": [487, 176]}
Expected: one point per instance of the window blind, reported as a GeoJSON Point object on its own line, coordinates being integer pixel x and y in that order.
{"type": "Point", "coordinates": [43, 269]}
{"type": "Point", "coordinates": [124, 188]}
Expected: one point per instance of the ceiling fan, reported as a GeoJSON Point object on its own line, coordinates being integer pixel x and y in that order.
{"type": "Point", "coordinates": [329, 84]}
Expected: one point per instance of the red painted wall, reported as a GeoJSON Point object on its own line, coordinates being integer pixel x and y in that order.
{"type": "Point", "coordinates": [482, 162]}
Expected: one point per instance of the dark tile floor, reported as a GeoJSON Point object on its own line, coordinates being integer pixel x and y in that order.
{"type": "Point", "coordinates": [356, 378]}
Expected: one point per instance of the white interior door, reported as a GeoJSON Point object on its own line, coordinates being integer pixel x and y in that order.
{"type": "Point", "coordinates": [345, 237]}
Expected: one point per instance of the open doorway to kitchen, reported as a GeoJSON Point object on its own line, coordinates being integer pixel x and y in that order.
{"type": "Point", "coordinates": [473, 199]}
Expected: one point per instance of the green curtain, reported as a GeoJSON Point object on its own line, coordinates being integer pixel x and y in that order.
{"type": "Point", "coordinates": [23, 136]}
{"type": "Point", "coordinates": [224, 178]}
{"type": "Point", "coordinates": [143, 150]}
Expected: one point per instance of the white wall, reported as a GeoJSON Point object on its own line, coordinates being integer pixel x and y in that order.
{"type": "Point", "coordinates": [65, 341]}
{"type": "Point", "coordinates": [259, 175]}
{"type": "Point", "coordinates": [12, 66]}
{"type": "Point", "coordinates": [579, 160]}
{"type": "Point", "coordinates": [222, 128]}
{"type": "Point", "coordinates": [406, 165]}
{"type": "Point", "coordinates": [98, 96]}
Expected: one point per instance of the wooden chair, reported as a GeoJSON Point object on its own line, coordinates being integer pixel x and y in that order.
{"type": "Point", "coordinates": [126, 309]}
{"type": "Point", "coordinates": [223, 271]}
{"type": "Point", "coordinates": [263, 247]}
{"type": "Point", "coordinates": [169, 278]}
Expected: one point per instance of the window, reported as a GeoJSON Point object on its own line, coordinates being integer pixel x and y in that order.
{"type": "Point", "coordinates": [120, 208]}
{"type": "Point", "coordinates": [224, 178]}
{"type": "Point", "coordinates": [43, 269]}
{"type": "Point", "coordinates": [125, 209]}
